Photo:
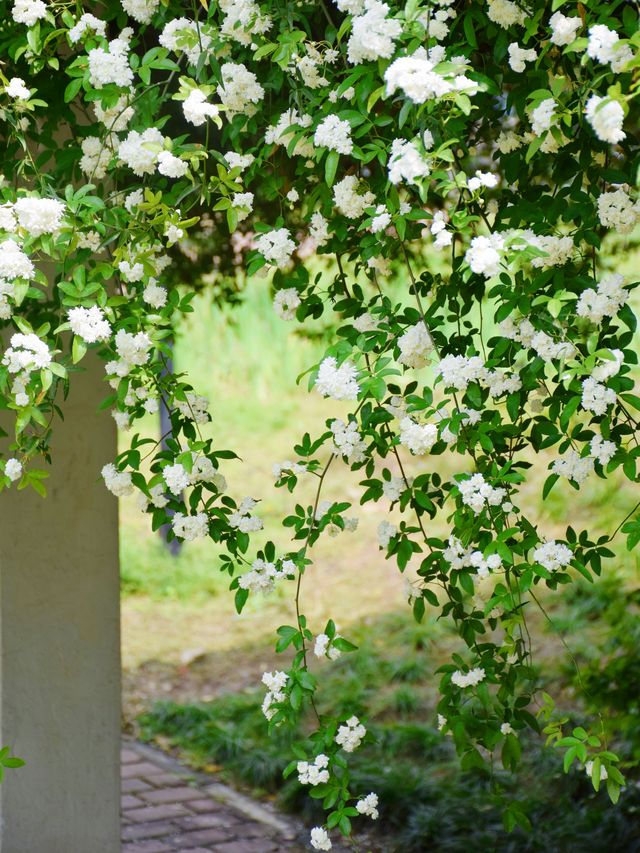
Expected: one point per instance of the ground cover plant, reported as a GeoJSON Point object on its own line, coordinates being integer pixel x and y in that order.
{"type": "Point", "coordinates": [476, 154]}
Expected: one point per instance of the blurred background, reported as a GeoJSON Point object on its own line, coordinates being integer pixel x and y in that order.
{"type": "Point", "coordinates": [193, 666]}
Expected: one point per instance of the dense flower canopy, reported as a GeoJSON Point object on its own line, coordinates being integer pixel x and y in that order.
{"type": "Point", "coordinates": [474, 158]}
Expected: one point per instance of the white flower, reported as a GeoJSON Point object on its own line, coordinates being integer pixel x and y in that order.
{"type": "Point", "coordinates": [133, 349]}
{"type": "Point", "coordinates": [276, 247]}
{"type": "Point", "coordinates": [242, 204]}
{"type": "Point", "coordinates": [184, 36]}
{"type": "Point", "coordinates": [340, 383]}
{"type": "Point", "coordinates": [285, 303]}
{"type": "Point", "coordinates": [320, 839]}
{"type": "Point", "coordinates": [13, 469]}
{"type": "Point", "coordinates": [564, 28]}
{"type": "Point", "coordinates": [197, 109]}
{"type": "Point", "coordinates": [573, 467]}
{"type": "Point", "coordinates": [240, 90]}
{"type": "Point", "coordinates": [602, 451]}
{"type": "Point", "coordinates": [553, 555]}
{"type": "Point", "coordinates": [14, 263]}
{"type": "Point", "coordinates": [480, 179]}
{"type": "Point", "coordinates": [483, 255]}
{"type": "Point", "coordinates": [96, 156]}
{"type": "Point", "coordinates": [348, 198]}
{"type": "Point", "coordinates": [617, 210]}
{"type": "Point", "coordinates": [176, 477]}
{"type": "Point", "coordinates": [603, 47]}
{"type": "Point", "coordinates": [596, 397]}
{"type": "Point", "coordinates": [313, 774]}
{"type": "Point", "coordinates": [243, 518]}
{"type": "Point", "coordinates": [518, 57]}
{"type": "Point", "coordinates": [190, 527]}
{"type": "Point", "coordinates": [406, 163]}
{"type": "Point", "coordinates": [89, 324]}
{"type": "Point", "coordinates": [415, 346]}
{"type": "Point", "coordinates": [347, 441]}
{"type": "Point", "coordinates": [293, 195]}
{"type": "Point", "coordinates": [605, 116]}
{"type": "Point", "coordinates": [350, 735]}
{"type": "Point", "coordinates": [506, 729]}
{"type": "Point", "coordinates": [111, 65]}
{"type": "Point", "coordinates": [195, 408]}
{"type": "Point", "coordinates": [118, 482]}
{"type": "Point", "coordinates": [242, 20]}
{"type": "Point", "coordinates": [17, 89]}
{"type": "Point", "coordinates": [365, 323]}
{"type": "Point", "coordinates": [373, 35]}
{"type": "Point", "coordinates": [171, 166]}
{"type": "Point", "coordinates": [468, 679]}
{"type": "Point", "coordinates": [334, 133]}
{"type": "Point", "coordinates": [386, 531]}
{"type": "Point", "coordinates": [28, 11]}
{"type": "Point", "coordinates": [418, 438]}
{"type": "Point", "coordinates": [140, 10]}
{"type": "Point", "coordinates": [155, 295]}
{"type": "Point", "coordinates": [319, 229]}
{"type": "Point", "coordinates": [381, 220]}
{"type": "Point", "coordinates": [457, 371]}
{"type": "Point", "coordinates": [131, 272]}
{"type": "Point", "coordinates": [85, 22]}
{"type": "Point", "coordinates": [542, 116]}
{"type": "Point", "coordinates": [140, 150]}
{"type": "Point", "coordinates": [238, 161]}
{"type": "Point", "coordinates": [415, 77]}
{"type": "Point", "coordinates": [605, 301]}
{"type": "Point", "coordinates": [39, 215]}
{"type": "Point", "coordinates": [505, 13]}
{"type": "Point", "coordinates": [26, 353]}
{"type": "Point", "coordinates": [368, 806]}
{"type": "Point", "coordinates": [477, 494]}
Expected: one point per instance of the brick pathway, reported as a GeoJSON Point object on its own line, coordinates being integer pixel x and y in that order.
{"type": "Point", "coordinates": [167, 808]}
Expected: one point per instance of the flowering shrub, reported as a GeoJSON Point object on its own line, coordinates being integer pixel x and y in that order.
{"type": "Point", "coordinates": [476, 153]}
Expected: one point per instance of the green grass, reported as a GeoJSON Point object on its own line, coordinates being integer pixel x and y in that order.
{"type": "Point", "coordinates": [427, 803]}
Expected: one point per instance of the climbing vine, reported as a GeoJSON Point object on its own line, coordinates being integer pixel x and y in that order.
{"type": "Point", "coordinates": [440, 178]}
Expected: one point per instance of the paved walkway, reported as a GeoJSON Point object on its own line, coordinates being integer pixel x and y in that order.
{"type": "Point", "coordinates": [167, 808]}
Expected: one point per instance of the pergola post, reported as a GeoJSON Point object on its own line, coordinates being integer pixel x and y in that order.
{"type": "Point", "coordinates": [60, 642]}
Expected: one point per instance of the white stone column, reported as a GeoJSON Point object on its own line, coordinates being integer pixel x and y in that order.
{"type": "Point", "coordinates": [60, 641]}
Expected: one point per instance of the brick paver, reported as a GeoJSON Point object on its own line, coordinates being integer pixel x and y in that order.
{"type": "Point", "coordinates": [167, 808]}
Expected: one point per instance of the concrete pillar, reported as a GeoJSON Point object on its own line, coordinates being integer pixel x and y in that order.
{"type": "Point", "coordinates": [60, 642]}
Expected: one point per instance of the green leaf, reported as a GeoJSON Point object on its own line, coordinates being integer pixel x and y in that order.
{"type": "Point", "coordinates": [331, 167]}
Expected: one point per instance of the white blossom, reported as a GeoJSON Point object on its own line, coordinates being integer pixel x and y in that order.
{"type": "Point", "coordinates": [605, 115]}
{"type": "Point", "coordinates": [406, 163]}
{"type": "Point", "coordinates": [140, 10]}
{"type": "Point", "coordinates": [350, 735]}
{"type": "Point", "coordinates": [518, 57]}
{"type": "Point", "coordinates": [468, 679]}
{"type": "Point", "coordinates": [39, 215]}
{"type": "Point", "coordinates": [564, 28]}
{"type": "Point", "coordinates": [348, 198]}
{"type": "Point", "coordinates": [368, 806]}
{"type": "Point", "coordinates": [340, 383]}
{"type": "Point", "coordinates": [276, 247]}
{"type": "Point", "coordinates": [89, 324]}
{"type": "Point", "coordinates": [28, 11]}
{"type": "Point", "coordinates": [190, 527]}
{"type": "Point", "coordinates": [334, 133]}
{"type": "Point", "coordinates": [285, 303]}
{"type": "Point", "coordinates": [553, 555]}
{"type": "Point", "coordinates": [373, 35]}
{"type": "Point", "coordinates": [118, 482]}
{"type": "Point", "coordinates": [320, 839]}
{"type": "Point", "coordinates": [197, 109]}
{"type": "Point", "coordinates": [418, 438]}
{"type": "Point", "coordinates": [617, 210]}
